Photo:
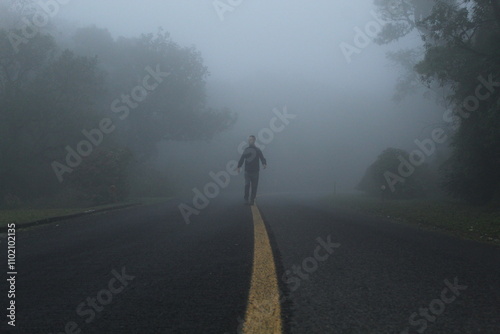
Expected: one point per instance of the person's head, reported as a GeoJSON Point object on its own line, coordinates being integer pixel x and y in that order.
{"type": "Point", "coordinates": [251, 140]}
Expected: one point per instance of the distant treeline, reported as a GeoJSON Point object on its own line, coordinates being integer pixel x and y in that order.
{"type": "Point", "coordinates": [78, 116]}
{"type": "Point", "coordinates": [460, 59]}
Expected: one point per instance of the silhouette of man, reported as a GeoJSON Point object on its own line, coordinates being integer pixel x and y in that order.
{"type": "Point", "coordinates": [252, 157]}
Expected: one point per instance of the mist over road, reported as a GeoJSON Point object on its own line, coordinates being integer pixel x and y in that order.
{"type": "Point", "coordinates": [143, 270]}
{"type": "Point", "coordinates": [387, 107]}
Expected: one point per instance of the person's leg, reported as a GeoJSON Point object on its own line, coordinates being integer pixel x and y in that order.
{"type": "Point", "coordinates": [255, 183]}
{"type": "Point", "coordinates": [247, 186]}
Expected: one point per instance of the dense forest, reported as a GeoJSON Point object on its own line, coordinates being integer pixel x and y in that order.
{"type": "Point", "coordinates": [459, 62]}
{"type": "Point", "coordinates": [78, 114]}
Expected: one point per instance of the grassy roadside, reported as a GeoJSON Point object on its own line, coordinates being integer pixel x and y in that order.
{"type": "Point", "coordinates": [27, 215]}
{"type": "Point", "coordinates": [453, 217]}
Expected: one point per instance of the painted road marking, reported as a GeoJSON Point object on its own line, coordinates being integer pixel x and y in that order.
{"type": "Point", "coordinates": [263, 313]}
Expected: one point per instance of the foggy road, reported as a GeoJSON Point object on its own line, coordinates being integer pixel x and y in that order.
{"type": "Point", "coordinates": [143, 270]}
{"type": "Point", "coordinates": [324, 111]}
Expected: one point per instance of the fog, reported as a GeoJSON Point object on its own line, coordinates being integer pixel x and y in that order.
{"type": "Point", "coordinates": [250, 166]}
{"type": "Point", "coordinates": [269, 56]}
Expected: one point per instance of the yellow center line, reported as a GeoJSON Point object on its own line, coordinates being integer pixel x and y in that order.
{"type": "Point", "coordinates": [263, 314]}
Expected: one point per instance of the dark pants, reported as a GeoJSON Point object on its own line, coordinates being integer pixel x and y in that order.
{"type": "Point", "coordinates": [251, 179]}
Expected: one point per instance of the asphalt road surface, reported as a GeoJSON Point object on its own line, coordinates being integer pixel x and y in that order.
{"type": "Point", "coordinates": [144, 270]}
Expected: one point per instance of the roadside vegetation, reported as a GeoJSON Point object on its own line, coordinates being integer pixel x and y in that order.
{"type": "Point", "coordinates": [481, 223]}
{"type": "Point", "coordinates": [449, 179]}
{"type": "Point", "coordinates": [83, 112]}
{"type": "Point", "coordinates": [21, 216]}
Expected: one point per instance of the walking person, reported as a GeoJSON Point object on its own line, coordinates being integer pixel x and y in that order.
{"type": "Point", "coordinates": [252, 156]}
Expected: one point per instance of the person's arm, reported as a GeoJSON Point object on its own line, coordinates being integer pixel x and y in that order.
{"type": "Point", "coordinates": [264, 161]}
{"type": "Point", "coordinates": [240, 162]}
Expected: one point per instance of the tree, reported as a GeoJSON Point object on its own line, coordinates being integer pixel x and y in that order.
{"type": "Point", "coordinates": [403, 17]}
{"type": "Point", "coordinates": [386, 166]}
{"type": "Point", "coordinates": [176, 110]}
{"type": "Point", "coordinates": [47, 97]}
{"type": "Point", "coordinates": [468, 57]}
{"type": "Point", "coordinates": [461, 52]}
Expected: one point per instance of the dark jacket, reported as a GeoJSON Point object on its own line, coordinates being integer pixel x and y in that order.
{"type": "Point", "coordinates": [252, 155]}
